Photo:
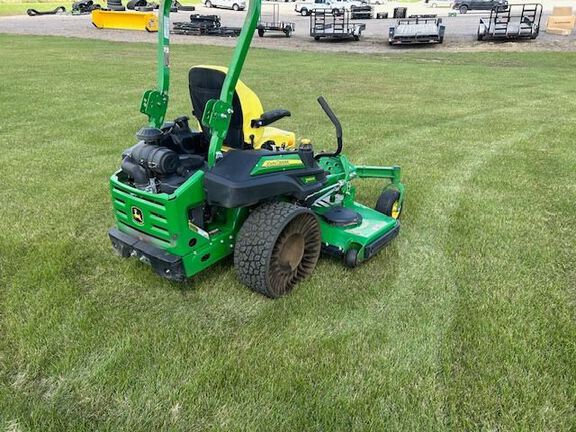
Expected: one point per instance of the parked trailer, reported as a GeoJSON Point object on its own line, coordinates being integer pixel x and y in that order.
{"type": "Point", "coordinates": [415, 31]}
{"type": "Point", "coordinates": [270, 21]}
{"type": "Point", "coordinates": [517, 21]}
{"type": "Point", "coordinates": [326, 24]}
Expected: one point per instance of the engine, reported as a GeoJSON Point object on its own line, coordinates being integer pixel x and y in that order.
{"type": "Point", "coordinates": [163, 159]}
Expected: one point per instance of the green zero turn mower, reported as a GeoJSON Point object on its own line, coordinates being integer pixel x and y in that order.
{"type": "Point", "coordinates": [184, 199]}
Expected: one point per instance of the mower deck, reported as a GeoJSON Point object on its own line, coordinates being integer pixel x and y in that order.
{"type": "Point", "coordinates": [371, 233]}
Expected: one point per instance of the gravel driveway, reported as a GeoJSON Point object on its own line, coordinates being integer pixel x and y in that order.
{"type": "Point", "coordinates": [460, 32]}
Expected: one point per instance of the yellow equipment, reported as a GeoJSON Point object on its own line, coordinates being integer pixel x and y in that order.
{"type": "Point", "coordinates": [561, 21]}
{"type": "Point", "coordinates": [125, 20]}
{"type": "Point", "coordinates": [245, 130]}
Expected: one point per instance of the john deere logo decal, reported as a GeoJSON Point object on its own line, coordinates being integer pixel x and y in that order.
{"type": "Point", "coordinates": [273, 163]}
{"type": "Point", "coordinates": [137, 215]}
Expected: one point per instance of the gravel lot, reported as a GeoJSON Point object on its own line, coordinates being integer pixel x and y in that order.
{"type": "Point", "coordinates": [460, 32]}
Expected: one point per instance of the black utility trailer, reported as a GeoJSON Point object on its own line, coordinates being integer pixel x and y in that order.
{"type": "Point", "coordinates": [270, 21]}
{"type": "Point", "coordinates": [327, 24]}
{"type": "Point", "coordinates": [517, 21]}
{"type": "Point", "coordinates": [204, 25]}
{"type": "Point", "coordinates": [416, 31]}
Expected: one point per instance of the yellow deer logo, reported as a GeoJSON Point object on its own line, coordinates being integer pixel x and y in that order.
{"type": "Point", "coordinates": [137, 215]}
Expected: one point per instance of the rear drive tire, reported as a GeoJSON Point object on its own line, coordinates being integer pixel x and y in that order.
{"type": "Point", "coordinates": [389, 203]}
{"type": "Point", "coordinates": [277, 246]}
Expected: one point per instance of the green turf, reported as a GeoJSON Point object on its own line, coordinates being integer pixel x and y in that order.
{"type": "Point", "coordinates": [466, 322]}
{"type": "Point", "coordinates": [21, 8]}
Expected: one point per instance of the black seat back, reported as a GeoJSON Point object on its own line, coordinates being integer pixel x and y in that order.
{"type": "Point", "coordinates": [205, 84]}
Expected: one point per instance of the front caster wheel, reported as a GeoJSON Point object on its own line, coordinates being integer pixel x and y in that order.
{"type": "Point", "coordinates": [351, 258]}
{"type": "Point", "coordinates": [389, 203]}
{"type": "Point", "coordinates": [277, 246]}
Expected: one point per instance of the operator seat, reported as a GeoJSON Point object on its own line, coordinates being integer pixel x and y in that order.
{"type": "Point", "coordinates": [248, 125]}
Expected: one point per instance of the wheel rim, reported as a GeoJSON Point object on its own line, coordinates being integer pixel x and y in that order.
{"type": "Point", "coordinates": [295, 253]}
{"type": "Point", "coordinates": [291, 252]}
{"type": "Point", "coordinates": [395, 213]}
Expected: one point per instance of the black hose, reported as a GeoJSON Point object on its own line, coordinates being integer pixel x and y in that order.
{"type": "Point", "coordinates": [136, 172]}
{"type": "Point", "coordinates": [34, 12]}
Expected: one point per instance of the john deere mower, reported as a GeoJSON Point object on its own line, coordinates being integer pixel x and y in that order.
{"type": "Point", "coordinates": [184, 199]}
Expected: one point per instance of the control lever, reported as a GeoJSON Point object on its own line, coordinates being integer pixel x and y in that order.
{"type": "Point", "coordinates": [336, 124]}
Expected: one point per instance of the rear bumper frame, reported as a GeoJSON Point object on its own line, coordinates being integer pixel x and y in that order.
{"type": "Point", "coordinates": [163, 263]}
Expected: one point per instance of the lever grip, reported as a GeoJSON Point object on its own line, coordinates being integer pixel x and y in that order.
{"type": "Point", "coordinates": [331, 116]}
{"type": "Point", "coordinates": [336, 124]}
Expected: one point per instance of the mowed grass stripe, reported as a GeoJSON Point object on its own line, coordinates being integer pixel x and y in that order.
{"type": "Point", "coordinates": [465, 322]}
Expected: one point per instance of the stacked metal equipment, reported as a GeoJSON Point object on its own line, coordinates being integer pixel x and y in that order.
{"type": "Point", "coordinates": [204, 25]}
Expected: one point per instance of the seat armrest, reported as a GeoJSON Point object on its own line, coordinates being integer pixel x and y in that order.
{"type": "Point", "coordinates": [270, 117]}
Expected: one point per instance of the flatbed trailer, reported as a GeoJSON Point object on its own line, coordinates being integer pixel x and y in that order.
{"type": "Point", "coordinates": [416, 31]}
{"type": "Point", "coordinates": [270, 21]}
{"type": "Point", "coordinates": [517, 21]}
{"type": "Point", "coordinates": [326, 24]}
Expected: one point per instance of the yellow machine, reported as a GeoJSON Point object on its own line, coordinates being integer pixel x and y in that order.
{"type": "Point", "coordinates": [127, 20]}
{"type": "Point", "coordinates": [247, 130]}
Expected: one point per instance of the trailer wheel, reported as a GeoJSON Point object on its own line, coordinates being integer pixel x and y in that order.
{"type": "Point", "coordinates": [356, 38]}
{"type": "Point", "coordinates": [389, 203]}
{"type": "Point", "coordinates": [235, 7]}
{"type": "Point", "coordinates": [463, 9]}
{"type": "Point", "coordinates": [277, 246]}
{"type": "Point", "coordinates": [316, 38]}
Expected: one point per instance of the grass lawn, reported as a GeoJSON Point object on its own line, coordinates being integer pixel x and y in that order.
{"type": "Point", "coordinates": [21, 8]}
{"type": "Point", "coordinates": [466, 322]}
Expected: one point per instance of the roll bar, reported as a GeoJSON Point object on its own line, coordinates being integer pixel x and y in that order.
{"type": "Point", "coordinates": [218, 112]}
